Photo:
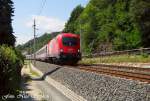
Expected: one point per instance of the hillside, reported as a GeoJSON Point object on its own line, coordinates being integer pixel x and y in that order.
{"type": "Point", "coordinates": [112, 24]}
{"type": "Point", "coordinates": [40, 42]}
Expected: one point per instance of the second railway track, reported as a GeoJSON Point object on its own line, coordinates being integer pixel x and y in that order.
{"type": "Point", "coordinates": [133, 73]}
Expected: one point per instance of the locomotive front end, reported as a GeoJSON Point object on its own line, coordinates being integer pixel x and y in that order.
{"type": "Point", "coordinates": [70, 48]}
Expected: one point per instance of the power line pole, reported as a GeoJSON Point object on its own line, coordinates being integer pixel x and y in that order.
{"type": "Point", "coordinates": [34, 46]}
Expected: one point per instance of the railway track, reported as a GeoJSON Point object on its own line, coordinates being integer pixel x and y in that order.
{"type": "Point", "coordinates": [128, 72]}
{"type": "Point", "coordinates": [134, 73]}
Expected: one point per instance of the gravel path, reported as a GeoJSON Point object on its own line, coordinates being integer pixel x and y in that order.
{"type": "Point", "coordinates": [37, 89]}
{"type": "Point", "coordinates": [97, 87]}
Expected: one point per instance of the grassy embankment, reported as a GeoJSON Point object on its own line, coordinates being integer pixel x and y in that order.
{"type": "Point", "coordinates": [117, 59]}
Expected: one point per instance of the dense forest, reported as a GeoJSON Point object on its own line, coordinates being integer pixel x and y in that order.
{"type": "Point", "coordinates": [111, 24]}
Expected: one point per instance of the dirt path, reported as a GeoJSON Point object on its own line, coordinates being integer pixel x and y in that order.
{"type": "Point", "coordinates": [30, 91]}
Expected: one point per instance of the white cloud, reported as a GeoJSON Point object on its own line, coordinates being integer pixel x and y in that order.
{"type": "Point", "coordinates": [21, 39]}
{"type": "Point", "coordinates": [46, 24]}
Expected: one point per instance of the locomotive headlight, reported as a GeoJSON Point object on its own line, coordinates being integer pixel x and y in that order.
{"type": "Point", "coordinates": [61, 50]}
{"type": "Point", "coordinates": [78, 50]}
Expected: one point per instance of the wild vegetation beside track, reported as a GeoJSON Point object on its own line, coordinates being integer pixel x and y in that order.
{"type": "Point", "coordinates": [11, 62]}
{"type": "Point", "coordinates": [117, 59]}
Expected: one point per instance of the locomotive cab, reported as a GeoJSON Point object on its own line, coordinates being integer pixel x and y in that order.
{"type": "Point", "coordinates": [70, 48]}
{"type": "Point", "coordinates": [65, 48]}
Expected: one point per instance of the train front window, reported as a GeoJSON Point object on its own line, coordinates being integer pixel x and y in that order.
{"type": "Point", "coordinates": [69, 41]}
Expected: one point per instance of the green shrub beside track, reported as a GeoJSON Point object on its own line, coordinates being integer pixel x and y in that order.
{"type": "Point", "coordinates": [11, 62]}
{"type": "Point", "coordinates": [143, 58]}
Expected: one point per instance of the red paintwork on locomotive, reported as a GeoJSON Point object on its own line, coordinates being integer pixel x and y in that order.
{"type": "Point", "coordinates": [55, 46]}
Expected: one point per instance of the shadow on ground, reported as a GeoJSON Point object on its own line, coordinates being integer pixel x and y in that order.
{"type": "Point", "coordinates": [46, 74]}
{"type": "Point", "coordinates": [24, 85]}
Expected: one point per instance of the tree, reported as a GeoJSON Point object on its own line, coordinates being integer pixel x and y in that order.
{"type": "Point", "coordinates": [71, 24]}
{"type": "Point", "coordinates": [123, 24]}
{"type": "Point", "coordinates": [141, 11]}
{"type": "Point", "coordinates": [6, 31]}
{"type": "Point", "coordinates": [113, 24]}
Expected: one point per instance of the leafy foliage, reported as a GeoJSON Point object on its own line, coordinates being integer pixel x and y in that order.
{"type": "Point", "coordinates": [71, 24]}
{"type": "Point", "coordinates": [141, 10]}
{"type": "Point", "coordinates": [6, 12]}
{"type": "Point", "coordinates": [113, 24]}
{"type": "Point", "coordinates": [11, 62]}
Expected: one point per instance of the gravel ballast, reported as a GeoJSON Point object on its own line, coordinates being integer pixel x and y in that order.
{"type": "Point", "coordinates": [97, 87]}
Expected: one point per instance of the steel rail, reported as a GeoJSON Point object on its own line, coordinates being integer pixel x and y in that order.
{"type": "Point", "coordinates": [117, 67]}
{"type": "Point", "coordinates": [118, 73]}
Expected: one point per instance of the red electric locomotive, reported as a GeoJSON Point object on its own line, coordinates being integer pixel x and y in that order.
{"type": "Point", "coordinates": [64, 48]}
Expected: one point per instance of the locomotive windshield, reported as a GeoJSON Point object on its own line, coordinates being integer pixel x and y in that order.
{"type": "Point", "coordinates": [69, 41]}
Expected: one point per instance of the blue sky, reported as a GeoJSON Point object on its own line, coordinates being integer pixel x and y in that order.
{"type": "Point", "coordinates": [53, 17]}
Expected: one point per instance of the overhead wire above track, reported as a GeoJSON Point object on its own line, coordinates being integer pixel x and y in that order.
{"type": "Point", "coordinates": [42, 7]}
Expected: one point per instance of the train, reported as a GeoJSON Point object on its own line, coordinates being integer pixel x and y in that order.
{"type": "Point", "coordinates": [63, 49]}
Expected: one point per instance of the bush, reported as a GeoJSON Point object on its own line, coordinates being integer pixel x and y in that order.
{"type": "Point", "coordinates": [144, 55]}
{"type": "Point", "coordinates": [11, 62]}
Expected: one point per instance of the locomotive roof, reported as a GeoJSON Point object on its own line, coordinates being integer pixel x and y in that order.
{"type": "Point", "coordinates": [68, 34]}
{"type": "Point", "coordinates": [64, 34]}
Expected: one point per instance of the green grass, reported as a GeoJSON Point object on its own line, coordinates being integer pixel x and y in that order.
{"type": "Point", "coordinates": [28, 64]}
{"type": "Point", "coordinates": [117, 59]}
{"type": "Point", "coordinates": [33, 72]}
